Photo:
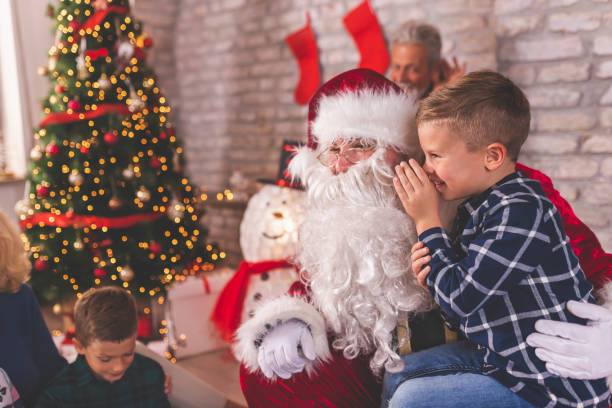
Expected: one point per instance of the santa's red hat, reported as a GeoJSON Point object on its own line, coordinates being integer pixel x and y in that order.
{"type": "Point", "coordinates": [359, 104]}
{"type": "Point", "coordinates": [362, 103]}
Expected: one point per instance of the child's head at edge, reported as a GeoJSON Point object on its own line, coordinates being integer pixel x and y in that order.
{"type": "Point", "coordinates": [14, 263]}
{"type": "Point", "coordinates": [474, 129]}
{"type": "Point", "coordinates": [106, 325]}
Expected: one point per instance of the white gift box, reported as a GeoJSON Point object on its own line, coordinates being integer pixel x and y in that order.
{"type": "Point", "coordinates": [188, 310]}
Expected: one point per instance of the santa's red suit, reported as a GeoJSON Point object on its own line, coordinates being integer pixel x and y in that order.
{"type": "Point", "coordinates": [360, 101]}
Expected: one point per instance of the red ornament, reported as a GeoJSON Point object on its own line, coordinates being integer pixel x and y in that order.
{"type": "Point", "coordinates": [100, 273]}
{"type": "Point", "coordinates": [148, 42]}
{"type": "Point", "coordinates": [52, 149]}
{"type": "Point", "coordinates": [84, 150]}
{"type": "Point", "coordinates": [154, 162]}
{"type": "Point", "coordinates": [41, 265]}
{"type": "Point", "coordinates": [111, 138]}
{"type": "Point", "coordinates": [163, 135]}
{"type": "Point", "coordinates": [59, 89]}
{"type": "Point", "coordinates": [42, 191]}
{"type": "Point", "coordinates": [145, 327]}
{"type": "Point", "coordinates": [155, 247]}
{"type": "Point", "coordinates": [74, 25]}
{"type": "Point", "coordinates": [74, 105]}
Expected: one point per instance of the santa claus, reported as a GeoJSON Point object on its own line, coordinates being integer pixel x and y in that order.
{"type": "Point", "coordinates": [324, 344]}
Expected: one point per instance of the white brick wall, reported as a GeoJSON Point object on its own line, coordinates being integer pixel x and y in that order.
{"type": "Point", "coordinates": [230, 76]}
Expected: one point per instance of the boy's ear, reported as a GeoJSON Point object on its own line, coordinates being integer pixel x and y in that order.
{"type": "Point", "coordinates": [495, 156]}
{"type": "Point", "coordinates": [78, 346]}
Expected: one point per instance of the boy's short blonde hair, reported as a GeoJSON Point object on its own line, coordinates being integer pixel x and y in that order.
{"type": "Point", "coordinates": [15, 264]}
{"type": "Point", "coordinates": [482, 107]}
{"type": "Point", "coordinates": [107, 314]}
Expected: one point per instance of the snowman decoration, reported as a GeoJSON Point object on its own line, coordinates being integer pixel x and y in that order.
{"type": "Point", "coordinates": [268, 232]}
{"type": "Point", "coordinates": [268, 239]}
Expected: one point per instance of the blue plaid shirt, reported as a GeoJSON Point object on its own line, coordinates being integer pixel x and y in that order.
{"type": "Point", "coordinates": [511, 265]}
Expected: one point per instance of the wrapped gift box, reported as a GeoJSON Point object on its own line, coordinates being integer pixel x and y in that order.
{"type": "Point", "coordinates": [188, 310]}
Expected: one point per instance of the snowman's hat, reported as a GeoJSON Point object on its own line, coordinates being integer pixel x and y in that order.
{"type": "Point", "coordinates": [283, 178]}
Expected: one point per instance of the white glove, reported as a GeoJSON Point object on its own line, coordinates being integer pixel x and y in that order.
{"type": "Point", "coordinates": [286, 349]}
{"type": "Point", "coordinates": [573, 350]}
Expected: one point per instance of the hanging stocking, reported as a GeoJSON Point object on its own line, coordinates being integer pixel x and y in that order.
{"type": "Point", "coordinates": [302, 44]}
{"type": "Point", "coordinates": [362, 24]}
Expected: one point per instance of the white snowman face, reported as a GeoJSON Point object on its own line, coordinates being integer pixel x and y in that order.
{"type": "Point", "coordinates": [270, 224]}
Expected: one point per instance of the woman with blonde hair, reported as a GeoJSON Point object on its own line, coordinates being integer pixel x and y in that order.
{"type": "Point", "coordinates": [28, 354]}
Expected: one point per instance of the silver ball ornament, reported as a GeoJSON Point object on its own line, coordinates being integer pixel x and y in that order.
{"type": "Point", "coordinates": [128, 173]}
{"type": "Point", "coordinates": [126, 274]}
{"type": "Point", "coordinates": [36, 153]}
{"type": "Point", "coordinates": [104, 83]}
{"type": "Point", "coordinates": [76, 179]}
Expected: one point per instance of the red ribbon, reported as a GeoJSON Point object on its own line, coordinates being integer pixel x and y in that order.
{"type": "Point", "coordinates": [228, 309]}
{"type": "Point", "coordinates": [99, 16]}
{"type": "Point", "coordinates": [64, 117]}
{"type": "Point", "coordinates": [71, 219]}
{"type": "Point", "coordinates": [206, 285]}
{"type": "Point", "coordinates": [95, 54]}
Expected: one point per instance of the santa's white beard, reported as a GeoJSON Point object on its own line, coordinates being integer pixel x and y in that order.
{"type": "Point", "coordinates": [354, 248]}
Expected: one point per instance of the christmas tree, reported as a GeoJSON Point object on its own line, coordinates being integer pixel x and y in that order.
{"type": "Point", "coordinates": [107, 201]}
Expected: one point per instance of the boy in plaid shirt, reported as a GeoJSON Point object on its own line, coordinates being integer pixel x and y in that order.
{"type": "Point", "coordinates": [507, 262]}
{"type": "Point", "coordinates": [107, 372]}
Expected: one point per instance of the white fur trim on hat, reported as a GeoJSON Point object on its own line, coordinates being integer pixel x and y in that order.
{"type": "Point", "coordinates": [387, 117]}
{"type": "Point", "coordinates": [271, 314]}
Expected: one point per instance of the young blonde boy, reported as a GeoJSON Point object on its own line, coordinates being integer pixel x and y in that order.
{"type": "Point", "coordinates": [107, 372]}
{"type": "Point", "coordinates": [507, 262]}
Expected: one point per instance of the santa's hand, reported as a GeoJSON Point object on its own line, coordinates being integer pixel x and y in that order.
{"type": "Point", "coordinates": [286, 349]}
{"type": "Point", "coordinates": [419, 258]}
{"type": "Point", "coordinates": [573, 350]}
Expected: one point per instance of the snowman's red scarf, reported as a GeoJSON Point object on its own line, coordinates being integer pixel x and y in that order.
{"type": "Point", "coordinates": [228, 309]}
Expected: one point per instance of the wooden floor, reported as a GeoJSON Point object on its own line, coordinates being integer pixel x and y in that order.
{"type": "Point", "coordinates": [220, 371]}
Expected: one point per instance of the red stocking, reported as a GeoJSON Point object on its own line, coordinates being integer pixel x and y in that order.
{"type": "Point", "coordinates": [302, 44]}
{"type": "Point", "coordinates": [362, 24]}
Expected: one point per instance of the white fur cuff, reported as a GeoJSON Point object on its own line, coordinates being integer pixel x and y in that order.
{"type": "Point", "coordinates": [249, 335]}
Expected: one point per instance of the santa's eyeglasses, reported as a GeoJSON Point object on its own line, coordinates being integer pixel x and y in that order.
{"type": "Point", "coordinates": [354, 154]}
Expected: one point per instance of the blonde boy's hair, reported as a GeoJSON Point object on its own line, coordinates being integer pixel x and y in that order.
{"type": "Point", "coordinates": [15, 264]}
{"type": "Point", "coordinates": [482, 107]}
{"type": "Point", "coordinates": [106, 314]}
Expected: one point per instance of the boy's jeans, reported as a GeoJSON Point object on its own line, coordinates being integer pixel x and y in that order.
{"type": "Point", "coordinates": [446, 376]}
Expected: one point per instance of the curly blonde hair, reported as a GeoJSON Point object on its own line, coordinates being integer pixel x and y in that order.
{"type": "Point", "coordinates": [15, 265]}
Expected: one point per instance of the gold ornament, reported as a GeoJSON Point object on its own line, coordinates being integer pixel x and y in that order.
{"type": "Point", "coordinates": [23, 208]}
{"type": "Point", "coordinates": [78, 244]}
{"type": "Point", "coordinates": [176, 209]}
{"type": "Point", "coordinates": [114, 203]}
{"type": "Point", "coordinates": [126, 274]}
{"type": "Point", "coordinates": [52, 63]}
{"type": "Point", "coordinates": [57, 309]}
{"type": "Point", "coordinates": [143, 194]}
{"type": "Point", "coordinates": [43, 71]}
